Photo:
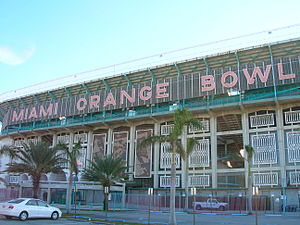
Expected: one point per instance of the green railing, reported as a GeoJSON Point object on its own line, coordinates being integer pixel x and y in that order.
{"type": "Point", "coordinates": [250, 97]}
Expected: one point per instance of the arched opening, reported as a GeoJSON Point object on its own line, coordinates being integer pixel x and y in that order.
{"type": "Point", "coordinates": [58, 177]}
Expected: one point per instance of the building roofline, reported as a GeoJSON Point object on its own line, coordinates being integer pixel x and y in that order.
{"type": "Point", "coordinates": [5, 96]}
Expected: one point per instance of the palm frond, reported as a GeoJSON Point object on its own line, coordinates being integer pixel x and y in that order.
{"type": "Point", "coordinates": [61, 146]}
{"type": "Point", "coordinates": [153, 139]}
{"type": "Point", "coordinates": [250, 151]}
{"type": "Point", "coordinates": [191, 143]}
{"type": "Point", "coordinates": [107, 170]}
{"type": "Point", "coordinates": [19, 168]}
{"type": "Point", "coordinates": [35, 158]}
{"type": "Point", "coordinates": [179, 148]}
{"type": "Point", "coordinates": [182, 118]}
{"type": "Point", "coordinates": [73, 157]}
{"type": "Point", "coordinates": [9, 150]}
{"type": "Point", "coordinates": [195, 123]}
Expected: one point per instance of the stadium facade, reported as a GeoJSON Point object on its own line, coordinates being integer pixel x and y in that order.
{"type": "Point", "coordinates": [244, 97]}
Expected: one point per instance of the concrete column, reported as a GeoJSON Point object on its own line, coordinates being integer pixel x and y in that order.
{"type": "Point", "coordinates": [89, 150]}
{"type": "Point", "coordinates": [71, 146]}
{"type": "Point", "coordinates": [49, 195]}
{"type": "Point", "coordinates": [156, 157]}
{"type": "Point", "coordinates": [39, 138]}
{"type": "Point", "coordinates": [124, 196]}
{"type": "Point", "coordinates": [214, 155]}
{"type": "Point", "coordinates": [281, 147]}
{"type": "Point", "coordinates": [245, 127]}
{"type": "Point", "coordinates": [131, 151]}
{"type": "Point", "coordinates": [71, 140]}
{"type": "Point", "coordinates": [54, 140]}
{"type": "Point", "coordinates": [109, 140]}
{"type": "Point", "coordinates": [20, 190]}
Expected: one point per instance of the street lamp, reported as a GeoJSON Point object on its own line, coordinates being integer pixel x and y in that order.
{"type": "Point", "coordinates": [210, 196]}
{"type": "Point", "coordinates": [255, 192]}
{"type": "Point", "coordinates": [184, 198]}
{"type": "Point", "coordinates": [240, 196]}
{"type": "Point", "coordinates": [158, 201]}
{"type": "Point", "coordinates": [150, 193]}
{"type": "Point", "coordinates": [193, 193]}
{"type": "Point", "coordinates": [272, 199]}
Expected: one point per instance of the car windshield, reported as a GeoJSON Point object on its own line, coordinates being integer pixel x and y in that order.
{"type": "Point", "coordinates": [16, 201]}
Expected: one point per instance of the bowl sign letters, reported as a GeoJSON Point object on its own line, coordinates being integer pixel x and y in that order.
{"type": "Point", "coordinates": [172, 89]}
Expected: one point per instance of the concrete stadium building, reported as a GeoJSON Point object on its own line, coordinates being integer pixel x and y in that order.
{"type": "Point", "coordinates": [248, 96]}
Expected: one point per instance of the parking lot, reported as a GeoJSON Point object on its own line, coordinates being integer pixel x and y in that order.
{"type": "Point", "coordinates": [4, 221]}
{"type": "Point", "coordinates": [162, 219]}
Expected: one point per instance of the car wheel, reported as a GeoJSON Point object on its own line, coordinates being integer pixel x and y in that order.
{"type": "Point", "coordinates": [23, 216]}
{"type": "Point", "coordinates": [54, 216]}
{"type": "Point", "coordinates": [198, 207]}
{"type": "Point", "coordinates": [222, 208]}
{"type": "Point", "coordinates": [8, 217]}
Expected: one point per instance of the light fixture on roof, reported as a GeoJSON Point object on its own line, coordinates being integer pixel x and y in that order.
{"type": "Point", "coordinates": [229, 164]}
{"type": "Point", "coordinates": [173, 107]}
{"type": "Point", "coordinates": [242, 153]}
{"type": "Point", "coordinates": [233, 92]}
{"type": "Point", "coordinates": [131, 112]}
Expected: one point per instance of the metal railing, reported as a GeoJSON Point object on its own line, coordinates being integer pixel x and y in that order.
{"type": "Point", "coordinates": [197, 104]}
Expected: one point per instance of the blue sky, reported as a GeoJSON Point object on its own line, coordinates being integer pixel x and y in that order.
{"type": "Point", "coordinates": [45, 40]}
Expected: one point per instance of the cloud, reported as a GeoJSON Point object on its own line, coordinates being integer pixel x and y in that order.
{"type": "Point", "coordinates": [11, 57]}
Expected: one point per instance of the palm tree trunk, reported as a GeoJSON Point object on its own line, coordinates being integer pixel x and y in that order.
{"type": "Point", "coordinates": [186, 207]}
{"type": "Point", "coordinates": [249, 191]}
{"type": "Point", "coordinates": [36, 184]}
{"type": "Point", "coordinates": [106, 201]}
{"type": "Point", "coordinates": [172, 219]}
{"type": "Point", "coordinates": [69, 192]}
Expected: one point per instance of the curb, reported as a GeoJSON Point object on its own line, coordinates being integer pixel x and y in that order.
{"type": "Point", "coordinates": [272, 215]}
{"type": "Point", "coordinates": [156, 223]}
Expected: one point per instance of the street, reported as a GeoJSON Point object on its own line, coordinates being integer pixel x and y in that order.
{"type": "Point", "coordinates": [141, 217]}
{"type": "Point", "coordinates": [4, 221]}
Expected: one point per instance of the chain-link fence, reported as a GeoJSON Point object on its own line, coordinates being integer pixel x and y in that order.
{"type": "Point", "coordinates": [200, 203]}
{"type": "Point", "coordinates": [160, 201]}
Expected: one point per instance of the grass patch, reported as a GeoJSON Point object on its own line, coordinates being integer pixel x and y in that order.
{"type": "Point", "coordinates": [69, 216]}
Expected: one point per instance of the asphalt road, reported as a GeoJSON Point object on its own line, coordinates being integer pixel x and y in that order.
{"type": "Point", "coordinates": [4, 221]}
{"type": "Point", "coordinates": [162, 219]}
{"type": "Point", "coordinates": [186, 219]}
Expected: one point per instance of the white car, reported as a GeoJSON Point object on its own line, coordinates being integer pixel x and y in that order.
{"type": "Point", "coordinates": [25, 208]}
{"type": "Point", "coordinates": [211, 204]}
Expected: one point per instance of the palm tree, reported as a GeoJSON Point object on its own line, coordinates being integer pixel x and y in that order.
{"type": "Point", "coordinates": [108, 171]}
{"type": "Point", "coordinates": [181, 118]}
{"type": "Point", "coordinates": [34, 159]}
{"type": "Point", "coordinates": [10, 151]}
{"type": "Point", "coordinates": [250, 153]}
{"type": "Point", "coordinates": [72, 159]}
